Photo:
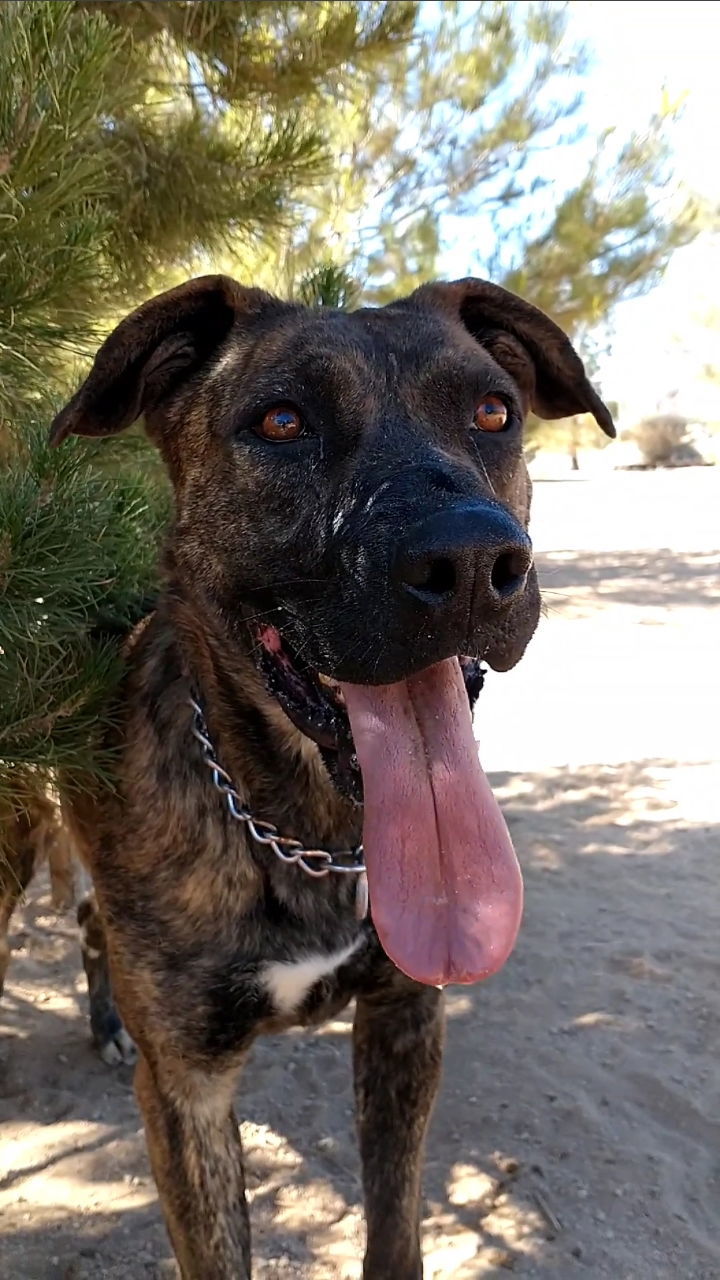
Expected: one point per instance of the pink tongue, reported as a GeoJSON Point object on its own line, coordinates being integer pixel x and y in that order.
{"type": "Point", "coordinates": [445, 885]}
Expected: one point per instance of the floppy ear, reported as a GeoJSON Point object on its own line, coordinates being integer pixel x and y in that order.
{"type": "Point", "coordinates": [535, 352]}
{"type": "Point", "coordinates": [152, 351]}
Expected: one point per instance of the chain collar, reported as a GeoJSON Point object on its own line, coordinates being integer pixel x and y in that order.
{"type": "Point", "coordinates": [314, 862]}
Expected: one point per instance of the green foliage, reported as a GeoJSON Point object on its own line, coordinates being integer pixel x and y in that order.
{"type": "Point", "coordinates": [139, 139]}
{"type": "Point", "coordinates": [76, 547]}
{"type": "Point", "coordinates": [456, 143]}
{"type": "Point", "coordinates": [606, 240]}
{"type": "Point", "coordinates": [476, 98]}
{"type": "Point", "coordinates": [223, 133]}
{"type": "Point", "coordinates": [448, 127]}
{"type": "Point", "coordinates": [260, 50]}
{"type": "Point", "coordinates": [56, 78]}
{"type": "Point", "coordinates": [329, 286]}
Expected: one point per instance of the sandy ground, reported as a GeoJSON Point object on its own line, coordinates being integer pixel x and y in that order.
{"type": "Point", "coordinates": [578, 1132]}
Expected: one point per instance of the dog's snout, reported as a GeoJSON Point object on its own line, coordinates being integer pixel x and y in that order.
{"type": "Point", "coordinates": [475, 551]}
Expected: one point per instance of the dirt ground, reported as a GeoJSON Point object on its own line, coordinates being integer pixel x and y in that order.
{"type": "Point", "coordinates": [578, 1132]}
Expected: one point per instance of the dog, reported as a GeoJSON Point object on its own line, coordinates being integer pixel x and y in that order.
{"type": "Point", "coordinates": [294, 729]}
{"type": "Point", "coordinates": [31, 832]}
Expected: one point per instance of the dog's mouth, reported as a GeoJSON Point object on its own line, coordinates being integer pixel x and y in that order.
{"type": "Point", "coordinates": [315, 703]}
{"type": "Point", "coordinates": [445, 886]}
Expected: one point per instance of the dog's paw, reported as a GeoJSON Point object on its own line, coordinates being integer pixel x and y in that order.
{"type": "Point", "coordinates": [118, 1049]}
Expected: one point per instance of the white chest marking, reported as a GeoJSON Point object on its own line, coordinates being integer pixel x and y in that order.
{"type": "Point", "coordinates": [287, 983]}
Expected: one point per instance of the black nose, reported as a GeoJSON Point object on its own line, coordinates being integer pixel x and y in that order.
{"type": "Point", "coordinates": [476, 550]}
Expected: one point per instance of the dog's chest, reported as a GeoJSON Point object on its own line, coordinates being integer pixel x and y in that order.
{"type": "Point", "coordinates": [273, 982]}
{"type": "Point", "coordinates": [288, 983]}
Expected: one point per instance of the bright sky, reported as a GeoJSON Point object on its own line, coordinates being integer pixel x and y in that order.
{"type": "Point", "coordinates": [639, 48]}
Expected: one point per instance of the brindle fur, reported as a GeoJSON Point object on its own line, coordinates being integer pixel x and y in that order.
{"type": "Point", "coordinates": [35, 830]}
{"type": "Point", "coordinates": [193, 913]}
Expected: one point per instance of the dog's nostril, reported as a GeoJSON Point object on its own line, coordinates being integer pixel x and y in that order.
{"type": "Point", "coordinates": [441, 578]}
{"type": "Point", "coordinates": [435, 577]}
{"type": "Point", "coordinates": [509, 572]}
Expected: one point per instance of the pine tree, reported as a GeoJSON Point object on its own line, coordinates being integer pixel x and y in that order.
{"type": "Point", "coordinates": [139, 139]}
{"type": "Point", "coordinates": [56, 77]}
{"type": "Point", "coordinates": [77, 558]}
{"type": "Point", "coordinates": [135, 140]}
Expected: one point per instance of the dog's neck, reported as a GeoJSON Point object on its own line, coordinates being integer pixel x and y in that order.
{"type": "Point", "coordinates": [276, 768]}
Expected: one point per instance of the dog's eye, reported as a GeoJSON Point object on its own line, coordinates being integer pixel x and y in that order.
{"type": "Point", "coordinates": [490, 415]}
{"type": "Point", "coordinates": [280, 424]}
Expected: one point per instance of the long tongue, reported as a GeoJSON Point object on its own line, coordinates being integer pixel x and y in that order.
{"type": "Point", "coordinates": [445, 885]}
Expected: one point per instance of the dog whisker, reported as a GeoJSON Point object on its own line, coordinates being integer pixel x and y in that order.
{"type": "Point", "coordinates": [484, 470]}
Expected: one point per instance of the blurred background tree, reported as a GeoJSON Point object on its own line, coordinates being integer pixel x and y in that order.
{"type": "Point", "coordinates": [462, 137]}
{"type": "Point", "coordinates": [663, 440]}
{"type": "Point", "coordinates": [328, 150]}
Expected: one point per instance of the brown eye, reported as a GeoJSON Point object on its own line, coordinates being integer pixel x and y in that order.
{"type": "Point", "coordinates": [490, 415]}
{"type": "Point", "coordinates": [280, 424]}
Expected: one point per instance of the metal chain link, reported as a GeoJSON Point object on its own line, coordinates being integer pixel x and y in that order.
{"type": "Point", "coordinates": [344, 862]}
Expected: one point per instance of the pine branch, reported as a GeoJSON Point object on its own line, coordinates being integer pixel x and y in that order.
{"type": "Point", "coordinates": [245, 50]}
{"type": "Point", "coordinates": [75, 545]}
{"type": "Point", "coordinates": [329, 286]}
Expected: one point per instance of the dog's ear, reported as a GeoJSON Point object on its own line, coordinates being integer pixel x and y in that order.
{"type": "Point", "coordinates": [153, 350]}
{"type": "Point", "coordinates": [525, 342]}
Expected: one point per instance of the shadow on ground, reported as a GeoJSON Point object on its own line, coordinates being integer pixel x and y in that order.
{"type": "Point", "coordinates": [646, 579]}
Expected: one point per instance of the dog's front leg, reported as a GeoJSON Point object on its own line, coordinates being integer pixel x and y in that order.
{"type": "Point", "coordinates": [397, 1056]}
{"type": "Point", "coordinates": [196, 1158]}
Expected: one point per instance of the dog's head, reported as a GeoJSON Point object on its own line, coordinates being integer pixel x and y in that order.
{"type": "Point", "coordinates": [355, 478]}
{"type": "Point", "coordinates": [350, 490]}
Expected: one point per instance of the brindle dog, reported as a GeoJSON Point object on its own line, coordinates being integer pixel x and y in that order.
{"type": "Point", "coordinates": [349, 539]}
